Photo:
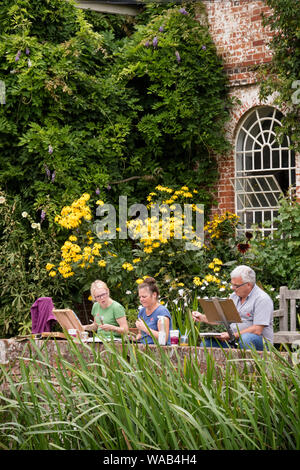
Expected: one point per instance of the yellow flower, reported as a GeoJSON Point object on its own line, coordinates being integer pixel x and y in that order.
{"type": "Point", "coordinates": [139, 281]}
{"type": "Point", "coordinates": [72, 238]}
{"type": "Point", "coordinates": [197, 281]}
{"type": "Point", "coordinates": [49, 266]}
{"type": "Point", "coordinates": [136, 260]}
{"type": "Point", "coordinates": [156, 245]}
{"type": "Point", "coordinates": [102, 263]}
{"type": "Point", "coordinates": [100, 203]}
{"type": "Point", "coordinates": [52, 273]}
{"type": "Point", "coordinates": [127, 266]}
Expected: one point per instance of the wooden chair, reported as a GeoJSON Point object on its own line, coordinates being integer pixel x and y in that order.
{"type": "Point", "coordinates": [287, 316]}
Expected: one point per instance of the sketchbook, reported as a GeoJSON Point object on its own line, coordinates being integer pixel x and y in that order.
{"type": "Point", "coordinates": [68, 319]}
{"type": "Point", "coordinates": [220, 310]}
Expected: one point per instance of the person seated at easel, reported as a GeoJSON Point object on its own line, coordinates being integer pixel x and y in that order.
{"type": "Point", "coordinates": [255, 308]}
{"type": "Point", "coordinates": [109, 315]}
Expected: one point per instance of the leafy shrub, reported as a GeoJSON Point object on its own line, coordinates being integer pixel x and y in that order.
{"type": "Point", "coordinates": [24, 250]}
{"type": "Point", "coordinates": [277, 259]}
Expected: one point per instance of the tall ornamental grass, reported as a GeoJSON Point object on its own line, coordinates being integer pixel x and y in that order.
{"type": "Point", "coordinates": [126, 398]}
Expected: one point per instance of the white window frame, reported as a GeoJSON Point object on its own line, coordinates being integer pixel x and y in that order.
{"type": "Point", "coordinates": [257, 190]}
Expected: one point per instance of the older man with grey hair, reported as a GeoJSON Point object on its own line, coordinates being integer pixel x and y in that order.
{"type": "Point", "coordinates": [255, 308]}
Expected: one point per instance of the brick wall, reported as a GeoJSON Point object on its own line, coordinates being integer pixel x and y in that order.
{"type": "Point", "coordinates": [236, 28]}
{"type": "Point", "coordinates": [12, 351]}
{"type": "Point", "coordinates": [241, 40]}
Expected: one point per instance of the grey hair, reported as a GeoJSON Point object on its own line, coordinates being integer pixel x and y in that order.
{"type": "Point", "coordinates": [245, 272]}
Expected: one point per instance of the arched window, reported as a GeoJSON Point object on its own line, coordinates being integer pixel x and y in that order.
{"type": "Point", "coordinates": [264, 168]}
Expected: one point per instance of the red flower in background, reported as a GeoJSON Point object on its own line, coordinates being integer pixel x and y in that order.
{"type": "Point", "coordinates": [243, 247]}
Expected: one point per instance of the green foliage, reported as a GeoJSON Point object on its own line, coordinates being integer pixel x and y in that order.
{"type": "Point", "coordinates": [282, 75]}
{"type": "Point", "coordinates": [24, 249]}
{"type": "Point", "coordinates": [144, 399]}
{"type": "Point", "coordinates": [65, 121]}
{"type": "Point", "coordinates": [87, 107]}
{"type": "Point", "coordinates": [172, 65]}
{"type": "Point", "coordinates": [277, 259]}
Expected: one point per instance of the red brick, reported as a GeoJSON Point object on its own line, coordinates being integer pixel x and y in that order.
{"type": "Point", "coordinates": [260, 42]}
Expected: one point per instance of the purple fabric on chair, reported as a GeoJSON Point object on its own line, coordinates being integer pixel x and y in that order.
{"type": "Point", "coordinates": [41, 315]}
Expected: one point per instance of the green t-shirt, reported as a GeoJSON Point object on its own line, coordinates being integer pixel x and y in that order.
{"type": "Point", "coordinates": [110, 314]}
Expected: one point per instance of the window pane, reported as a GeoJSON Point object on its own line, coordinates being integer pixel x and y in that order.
{"type": "Point", "coordinates": [275, 159]}
{"type": "Point", "coordinates": [285, 158]}
{"type": "Point", "coordinates": [266, 157]}
{"type": "Point", "coordinates": [257, 161]}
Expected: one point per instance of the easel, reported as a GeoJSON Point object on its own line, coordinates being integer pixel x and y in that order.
{"type": "Point", "coordinates": [221, 311]}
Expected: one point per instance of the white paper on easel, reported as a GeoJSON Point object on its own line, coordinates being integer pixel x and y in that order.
{"type": "Point", "coordinates": [210, 334]}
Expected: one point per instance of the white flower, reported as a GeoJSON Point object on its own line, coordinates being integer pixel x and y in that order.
{"type": "Point", "coordinates": [2, 200]}
{"type": "Point", "coordinates": [222, 289]}
{"type": "Point", "coordinates": [34, 226]}
{"type": "Point", "coordinates": [203, 287]}
{"type": "Point", "coordinates": [181, 292]}
{"type": "Point", "coordinates": [175, 301]}
{"type": "Point", "coordinates": [128, 292]}
{"type": "Point", "coordinates": [24, 214]}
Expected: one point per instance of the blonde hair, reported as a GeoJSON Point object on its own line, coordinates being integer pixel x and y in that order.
{"type": "Point", "coordinates": [97, 285]}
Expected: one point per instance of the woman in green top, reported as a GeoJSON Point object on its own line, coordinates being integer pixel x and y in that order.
{"type": "Point", "coordinates": [109, 315]}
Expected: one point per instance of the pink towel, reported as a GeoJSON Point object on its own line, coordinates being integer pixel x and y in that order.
{"type": "Point", "coordinates": [41, 315]}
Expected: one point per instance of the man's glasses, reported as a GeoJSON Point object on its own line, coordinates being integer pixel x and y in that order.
{"type": "Point", "coordinates": [236, 286]}
{"type": "Point", "coordinates": [101, 296]}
